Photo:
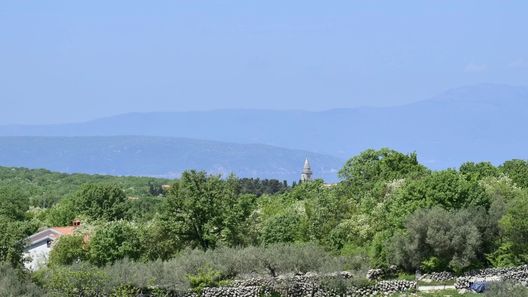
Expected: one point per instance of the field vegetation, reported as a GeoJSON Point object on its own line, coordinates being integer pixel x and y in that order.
{"type": "Point", "coordinates": [203, 230]}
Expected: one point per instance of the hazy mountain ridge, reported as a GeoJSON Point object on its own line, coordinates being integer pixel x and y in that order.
{"type": "Point", "coordinates": [482, 122]}
{"type": "Point", "coordinates": [160, 156]}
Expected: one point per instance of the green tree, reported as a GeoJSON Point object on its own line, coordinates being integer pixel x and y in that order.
{"type": "Point", "coordinates": [62, 213]}
{"type": "Point", "coordinates": [198, 207]}
{"type": "Point", "coordinates": [13, 283]}
{"type": "Point", "coordinates": [157, 243]}
{"type": "Point", "coordinates": [282, 228]}
{"type": "Point", "coordinates": [517, 170]}
{"type": "Point", "coordinates": [113, 241]}
{"type": "Point", "coordinates": [236, 224]}
{"type": "Point", "coordinates": [12, 240]}
{"type": "Point", "coordinates": [13, 203]}
{"type": "Point", "coordinates": [478, 171]}
{"type": "Point", "coordinates": [514, 227]}
{"type": "Point", "coordinates": [373, 166]}
{"type": "Point", "coordinates": [325, 212]}
{"type": "Point", "coordinates": [67, 250]}
{"type": "Point", "coordinates": [436, 239]}
{"type": "Point", "coordinates": [76, 280]}
{"type": "Point", "coordinates": [101, 201]}
{"type": "Point", "coordinates": [446, 188]}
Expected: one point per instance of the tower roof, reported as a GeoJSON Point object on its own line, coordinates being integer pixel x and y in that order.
{"type": "Point", "coordinates": [307, 168]}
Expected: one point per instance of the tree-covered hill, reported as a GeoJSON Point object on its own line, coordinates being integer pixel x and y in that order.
{"type": "Point", "coordinates": [160, 156]}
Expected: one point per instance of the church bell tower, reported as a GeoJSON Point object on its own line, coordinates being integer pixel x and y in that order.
{"type": "Point", "coordinates": [306, 174]}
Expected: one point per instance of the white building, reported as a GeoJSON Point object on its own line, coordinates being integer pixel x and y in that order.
{"type": "Point", "coordinates": [40, 244]}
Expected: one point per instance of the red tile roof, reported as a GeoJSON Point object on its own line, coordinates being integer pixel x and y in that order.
{"type": "Point", "coordinates": [65, 230]}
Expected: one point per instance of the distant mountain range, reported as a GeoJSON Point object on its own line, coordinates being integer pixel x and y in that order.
{"type": "Point", "coordinates": [485, 122]}
{"type": "Point", "coordinates": [161, 156]}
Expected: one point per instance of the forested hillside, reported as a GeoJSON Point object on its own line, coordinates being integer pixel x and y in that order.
{"type": "Point", "coordinates": [388, 209]}
{"type": "Point", "coordinates": [161, 157]}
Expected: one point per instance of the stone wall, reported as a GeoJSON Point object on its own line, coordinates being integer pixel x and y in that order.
{"type": "Point", "coordinates": [307, 286]}
{"type": "Point", "coordinates": [515, 274]}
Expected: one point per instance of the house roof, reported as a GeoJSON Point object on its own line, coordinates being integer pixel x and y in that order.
{"type": "Point", "coordinates": [65, 230]}
{"type": "Point", "coordinates": [51, 233]}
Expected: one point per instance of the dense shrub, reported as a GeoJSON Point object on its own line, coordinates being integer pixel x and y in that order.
{"type": "Point", "coordinates": [507, 289]}
{"type": "Point", "coordinates": [14, 283]}
{"type": "Point", "coordinates": [438, 239]}
{"type": "Point", "coordinates": [67, 250]}
{"type": "Point", "coordinates": [101, 201]}
{"type": "Point", "coordinates": [193, 269]}
{"type": "Point", "coordinates": [12, 235]}
{"type": "Point", "coordinates": [114, 241]}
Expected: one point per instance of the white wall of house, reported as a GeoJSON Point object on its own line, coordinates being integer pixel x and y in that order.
{"type": "Point", "coordinates": [38, 255]}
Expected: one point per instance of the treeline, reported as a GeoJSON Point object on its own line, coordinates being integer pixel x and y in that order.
{"type": "Point", "coordinates": [388, 209]}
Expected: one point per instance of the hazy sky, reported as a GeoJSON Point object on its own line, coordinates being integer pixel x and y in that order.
{"type": "Point", "coordinates": [76, 60]}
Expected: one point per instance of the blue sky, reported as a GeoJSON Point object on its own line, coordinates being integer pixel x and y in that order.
{"type": "Point", "coordinates": [64, 61]}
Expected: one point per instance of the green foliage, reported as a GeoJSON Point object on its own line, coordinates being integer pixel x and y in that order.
{"type": "Point", "coordinates": [373, 166]}
{"type": "Point", "coordinates": [507, 289]}
{"type": "Point", "coordinates": [45, 188]}
{"type": "Point", "coordinates": [199, 210]}
{"type": "Point", "coordinates": [101, 201]}
{"type": "Point", "coordinates": [432, 264]}
{"type": "Point", "coordinates": [283, 227]}
{"type": "Point", "coordinates": [206, 229]}
{"type": "Point", "coordinates": [76, 280]}
{"type": "Point", "coordinates": [517, 170]}
{"type": "Point", "coordinates": [62, 213]}
{"type": "Point", "coordinates": [259, 187]}
{"type": "Point", "coordinates": [514, 227]}
{"type": "Point", "coordinates": [156, 243]}
{"type": "Point", "coordinates": [125, 291]}
{"type": "Point", "coordinates": [204, 278]}
{"type": "Point", "coordinates": [190, 269]}
{"type": "Point", "coordinates": [68, 250]}
{"type": "Point", "coordinates": [113, 241]}
{"type": "Point", "coordinates": [438, 239]}
{"type": "Point", "coordinates": [15, 283]}
{"type": "Point", "coordinates": [504, 256]}
{"type": "Point", "coordinates": [143, 209]}
{"type": "Point", "coordinates": [446, 189]}
{"type": "Point", "coordinates": [478, 171]}
{"type": "Point", "coordinates": [282, 258]}
{"type": "Point", "coordinates": [236, 221]}
{"type": "Point", "coordinates": [328, 217]}
{"type": "Point", "coordinates": [12, 241]}
{"type": "Point", "coordinates": [13, 203]}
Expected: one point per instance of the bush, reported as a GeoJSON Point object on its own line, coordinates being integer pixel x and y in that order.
{"type": "Point", "coordinates": [67, 250]}
{"type": "Point", "coordinates": [15, 283]}
{"type": "Point", "coordinates": [339, 286]}
{"type": "Point", "coordinates": [437, 239]}
{"type": "Point", "coordinates": [283, 227]}
{"type": "Point", "coordinates": [114, 241]}
{"type": "Point", "coordinates": [75, 280]}
{"type": "Point", "coordinates": [192, 269]}
{"type": "Point", "coordinates": [205, 278]}
{"type": "Point", "coordinates": [507, 289]}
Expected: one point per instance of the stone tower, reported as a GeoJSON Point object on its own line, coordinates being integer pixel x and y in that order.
{"type": "Point", "coordinates": [306, 174]}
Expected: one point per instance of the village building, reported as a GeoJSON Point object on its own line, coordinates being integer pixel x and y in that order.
{"type": "Point", "coordinates": [39, 245]}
